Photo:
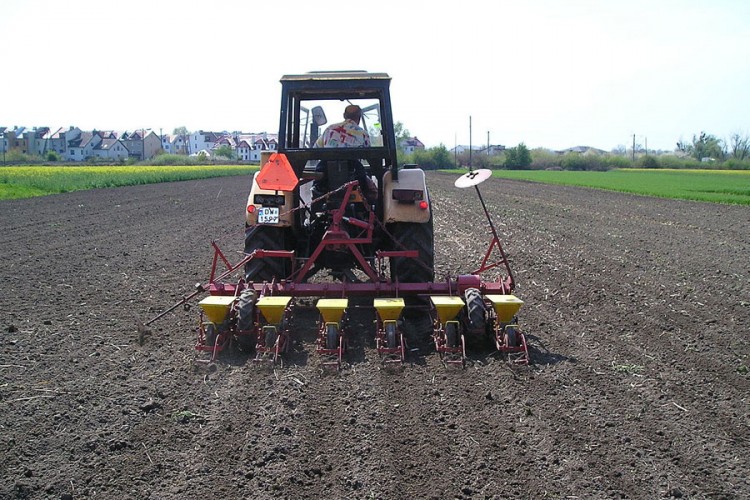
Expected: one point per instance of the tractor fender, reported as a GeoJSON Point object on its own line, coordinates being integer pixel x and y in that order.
{"type": "Point", "coordinates": [402, 198]}
{"type": "Point", "coordinates": [286, 215]}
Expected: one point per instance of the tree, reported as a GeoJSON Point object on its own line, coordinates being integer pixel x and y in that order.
{"type": "Point", "coordinates": [182, 131]}
{"type": "Point", "coordinates": [620, 150]}
{"type": "Point", "coordinates": [225, 150]}
{"type": "Point", "coordinates": [703, 146]}
{"type": "Point", "coordinates": [518, 157]}
{"type": "Point", "coordinates": [739, 146]}
{"type": "Point", "coordinates": [433, 158]}
{"type": "Point", "coordinates": [402, 134]}
{"type": "Point", "coordinates": [441, 157]}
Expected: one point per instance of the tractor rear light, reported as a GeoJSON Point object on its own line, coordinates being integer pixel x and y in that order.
{"type": "Point", "coordinates": [423, 205]}
{"type": "Point", "coordinates": [251, 209]}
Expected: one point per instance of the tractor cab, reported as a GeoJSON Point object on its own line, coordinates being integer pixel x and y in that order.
{"type": "Point", "coordinates": [348, 193]}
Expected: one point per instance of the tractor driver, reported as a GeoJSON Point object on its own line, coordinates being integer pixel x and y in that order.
{"type": "Point", "coordinates": [346, 134]}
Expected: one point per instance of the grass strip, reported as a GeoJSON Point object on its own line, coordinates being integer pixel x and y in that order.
{"type": "Point", "coordinates": [717, 186]}
{"type": "Point", "coordinates": [29, 181]}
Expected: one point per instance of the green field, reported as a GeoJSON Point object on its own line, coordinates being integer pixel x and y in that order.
{"type": "Point", "coordinates": [718, 186]}
{"type": "Point", "coordinates": [25, 182]}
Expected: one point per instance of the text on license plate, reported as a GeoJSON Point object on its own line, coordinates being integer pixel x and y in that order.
{"type": "Point", "coordinates": [268, 215]}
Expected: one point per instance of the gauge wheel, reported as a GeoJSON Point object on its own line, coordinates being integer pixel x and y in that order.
{"type": "Point", "coordinates": [210, 333]}
{"type": "Point", "coordinates": [451, 335]}
{"type": "Point", "coordinates": [390, 334]}
{"type": "Point", "coordinates": [270, 338]}
{"type": "Point", "coordinates": [332, 336]}
{"type": "Point", "coordinates": [511, 337]}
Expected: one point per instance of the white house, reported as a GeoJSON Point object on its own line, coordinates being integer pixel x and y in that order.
{"type": "Point", "coordinates": [202, 140]}
{"type": "Point", "coordinates": [460, 149]}
{"type": "Point", "coordinates": [411, 144]}
{"type": "Point", "coordinates": [244, 150]}
{"type": "Point", "coordinates": [82, 146]}
{"type": "Point", "coordinates": [112, 149]}
{"type": "Point", "coordinates": [178, 145]}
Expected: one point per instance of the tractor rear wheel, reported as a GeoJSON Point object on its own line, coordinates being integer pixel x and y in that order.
{"type": "Point", "coordinates": [413, 236]}
{"type": "Point", "coordinates": [266, 238]}
{"type": "Point", "coordinates": [475, 308]}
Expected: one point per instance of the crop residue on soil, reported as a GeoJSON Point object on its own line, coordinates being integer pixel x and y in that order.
{"type": "Point", "coordinates": [637, 310]}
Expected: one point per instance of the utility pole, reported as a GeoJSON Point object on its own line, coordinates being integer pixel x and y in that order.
{"type": "Point", "coordinates": [488, 143]}
{"type": "Point", "coordinates": [455, 149]}
{"type": "Point", "coordinates": [633, 147]}
{"type": "Point", "coordinates": [470, 142]}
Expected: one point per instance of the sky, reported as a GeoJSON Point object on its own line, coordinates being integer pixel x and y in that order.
{"type": "Point", "coordinates": [552, 74]}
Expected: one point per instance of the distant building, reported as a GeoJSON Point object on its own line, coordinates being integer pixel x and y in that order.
{"type": "Point", "coordinates": [584, 150]}
{"type": "Point", "coordinates": [82, 146]}
{"type": "Point", "coordinates": [411, 144]}
{"type": "Point", "coordinates": [111, 149]}
{"type": "Point", "coordinates": [201, 140]}
{"type": "Point", "coordinates": [460, 149]}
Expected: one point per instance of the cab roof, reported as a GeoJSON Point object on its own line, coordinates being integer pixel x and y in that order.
{"type": "Point", "coordinates": [335, 75]}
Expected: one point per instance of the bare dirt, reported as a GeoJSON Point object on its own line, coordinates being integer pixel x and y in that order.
{"type": "Point", "coordinates": [637, 310]}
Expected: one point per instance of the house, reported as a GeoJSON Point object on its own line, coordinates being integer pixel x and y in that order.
{"type": "Point", "coordinates": [141, 144]}
{"type": "Point", "coordinates": [411, 144]}
{"type": "Point", "coordinates": [178, 145]}
{"type": "Point", "coordinates": [584, 150]}
{"type": "Point", "coordinates": [492, 150]}
{"type": "Point", "coordinates": [225, 140]}
{"type": "Point", "coordinates": [201, 140]}
{"type": "Point", "coordinates": [248, 147]}
{"type": "Point", "coordinates": [14, 140]}
{"type": "Point", "coordinates": [82, 146]}
{"type": "Point", "coordinates": [244, 150]}
{"type": "Point", "coordinates": [461, 149]}
{"type": "Point", "coordinates": [111, 149]}
{"type": "Point", "coordinates": [56, 142]}
{"type": "Point", "coordinates": [166, 143]}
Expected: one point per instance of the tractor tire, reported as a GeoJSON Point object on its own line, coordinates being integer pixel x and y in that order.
{"type": "Point", "coordinates": [413, 236]}
{"type": "Point", "coordinates": [246, 309]}
{"type": "Point", "coordinates": [266, 238]}
{"type": "Point", "coordinates": [475, 308]}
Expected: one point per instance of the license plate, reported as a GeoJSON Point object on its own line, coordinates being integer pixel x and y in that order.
{"type": "Point", "coordinates": [268, 215]}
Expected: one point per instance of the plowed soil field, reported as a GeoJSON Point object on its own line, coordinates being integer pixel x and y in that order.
{"type": "Point", "coordinates": [637, 311]}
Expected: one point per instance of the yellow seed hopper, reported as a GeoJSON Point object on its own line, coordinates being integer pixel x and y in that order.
{"type": "Point", "coordinates": [272, 308]}
{"type": "Point", "coordinates": [505, 306]}
{"type": "Point", "coordinates": [389, 309]}
{"type": "Point", "coordinates": [216, 307]}
{"type": "Point", "coordinates": [332, 309]}
{"type": "Point", "coordinates": [447, 307]}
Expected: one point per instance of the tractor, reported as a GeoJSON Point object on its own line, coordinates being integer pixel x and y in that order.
{"type": "Point", "coordinates": [334, 223]}
{"type": "Point", "coordinates": [397, 214]}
